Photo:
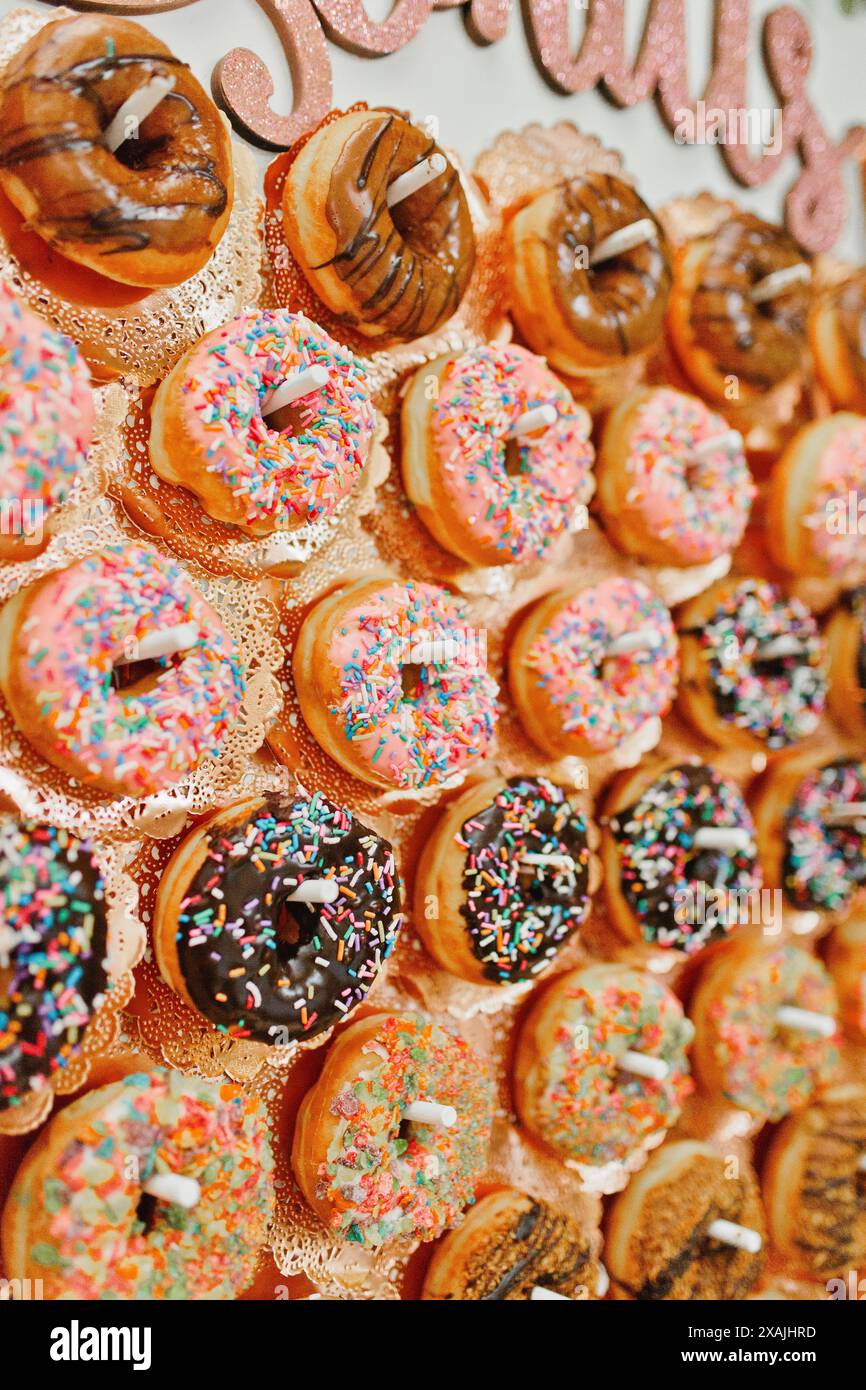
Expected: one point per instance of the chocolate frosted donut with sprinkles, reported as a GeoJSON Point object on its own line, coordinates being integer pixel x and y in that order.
{"type": "Point", "coordinates": [753, 666]}
{"type": "Point", "coordinates": [119, 672]}
{"type": "Point", "coordinates": [268, 420]}
{"type": "Point", "coordinates": [274, 916]}
{"type": "Point", "coordinates": [53, 945]}
{"type": "Point", "coordinates": [393, 683]}
{"type": "Point", "coordinates": [679, 854]}
{"type": "Point", "coordinates": [810, 813]}
{"type": "Point", "coordinates": [505, 880]}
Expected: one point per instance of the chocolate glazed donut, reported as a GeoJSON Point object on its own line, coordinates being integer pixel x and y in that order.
{"type": "Point", "coordinates": [256, 964]}
{"type": "Point", "coordinates": [150, 214]}
{"type": "Point", "coordinates": [761, 344]}
{"type": "Point", "coordinates": [618, 306]}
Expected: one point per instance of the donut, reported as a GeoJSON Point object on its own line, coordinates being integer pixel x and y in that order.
{"type": "Point", "coordinates": [371, 1171]}
{"type": "Point", "coordinates": [154, 1187]}
{"type": "Point", "coordinates": [211, 431]}
{"type": "Point", "coordinates": [585, 317]}
{"type": "Point", "coordinates": [719, 332]}
{"type": "Point", "coordinates": [817, 860]}
{"type": "Point", "coordinates": [744, 1049]}
{"type": "Point", "coordinates": [575, 1088]}
{"type": "Point", "coordinates": [846, 650]}
{"type": "Point", "coordinates": [53, 948]}
{"type": "Point", "coordinates": [70, 641]}
{"type": "Point", "coordinates": [505, 880]}
{"type": "Point", "coordinates": [836, 337]}
{"type": "Point", "coordinates": [232, 941]}
{"type": "Point", "coordinates": [663, 495]}
{"type": "Point", "coordinates": [659, 1242]}
{"type": "Point", "coordinates": [487, 496]}
{"type": "Point", "coordinates": [813, 1182]}
{"type": "Point", "coordinates": [397, 272]}
{"type": "Point", "coordinates": [509, 1245]}
{"type": "Point", "coordinates": [46, 426]}
{"type": "Point", "coordinates": [814, 524]}
{"type": "Point", "coordinates": [753, 670]}
{"type": "Point", "coordinates": [150, 213]}
{"type": "Point", "coordinates": [846, 961]}
{"type": "Point", "coordinates": [393, 683]}
{"type": "Point", "coordinates": [665, 886]}
{"type": "Point", "coordinates": [572, 696]}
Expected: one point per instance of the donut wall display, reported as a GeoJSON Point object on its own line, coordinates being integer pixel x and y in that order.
{"type": "Point", "coordinates": [432, 690]}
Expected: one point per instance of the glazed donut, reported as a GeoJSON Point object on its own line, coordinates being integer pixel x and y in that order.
{"type": "Point", "coordinates": [397, 272]}
{"type": "Point", "coordinates": [846, 650]}
{"type": "Point", "coordinates": [152, 212]}
{"type": "Point", "coordinates": [64, 643]}
{"type": "Point", "coordinates": [509, 1245]}
{"type": "Point", "coordinates": [819, 862]}
{"type": "Point", "coordinates": [53, 947]}
{"type": "Point", "coordinates": [210, 432]}
{"type": "Point", "coordinates": [753, 670]}
{"type": "Point", "coordinates": [813, 1183]}
{"type": "Point", "coordinates": [46, 426]}
{"type": "Point", "coordinates": [846, 961]}
{"type": "Point", "coordinates": [574, 698]}
{"type": "Point", "coordinates": [718, 330]}
{"type": "Point", "coordinates": [487, 496]}
{"type": "Point", "coordinates": [575, 1089]}
{"type": "Point", "coordinates": [659, 1244]}
{"type": "Point", "coordinates": [663, 495]}
{"type": "Point", "coordinates": [809, 527]}
{"type": "Point", "coordinates": [393, 684]}
{"type": "Point", "coordinates": [664, 887]}
{"type": "Point", "coordinates": [505, 880]}
{"type": "Point", "coordinates": [836, 337]}
{"type": "Point", "coordinates": [585, 317]}
{"type": "Point", "coordinates": [372, 1171]}
{"type": "Point", "coordinates": [81, 1215]}
{"type": "Point", "coordinates": [232, 941]}
{"type": "Point", "coordinates": [748, 1052]}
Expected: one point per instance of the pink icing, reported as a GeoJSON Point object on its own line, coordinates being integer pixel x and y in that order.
{"type": "Point", "coordinates": [838, 520]}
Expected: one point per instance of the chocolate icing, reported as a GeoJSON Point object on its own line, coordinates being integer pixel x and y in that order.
{"type": "Point", "coordinates": [618, 306]}
{"type": "Point", "coordinates": [261, 968]}
{"type": "Point", "coordinates": [60, 94]}
{"type": "Point", "coordinates": [517, 923]}
{"type": "Point", "coordinates": [52, 898]}
{"type": "Point", "coordinates": [408, 267]}
{"type": "Point", "coordinates": [760, 343]}
{"type": "Point", "coordinates": [832, 1194]}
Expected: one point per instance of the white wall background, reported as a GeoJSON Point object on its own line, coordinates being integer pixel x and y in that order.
{"type": "Point", "coordinates": [477, 91]}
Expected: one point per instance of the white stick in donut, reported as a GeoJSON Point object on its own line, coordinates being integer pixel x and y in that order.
{"type": "Point", "coordinates": [741, 1237]}
{"type": "Point", "coordinates": [303, 383]}
{"type": "Point", "coordinates": [174, 1188]}
{"type": "Point", "coordinates": [643, 639]}
{"type": "Point", "coordinates": [846, 813]}
{"type": "Point", "coordinates": [166, 643]}
{"type": "Point", "coordinates": [784, 645]}
{"type": "Point", "coordinates": [429, 1112]}
{"type": "Point", "coordinates": [723, 837]}
{"type": "Point", "coordinates": [623, 239]}
{"type": "Point", "coordinates": [540, 1293]}
{"type": "Point", "coordinates": [557, 861]}
{"type": "Point", "coordinates": [541, 417]}
{"type": "Point", "coordinates": [730, 440]}
{"type": "Point", "coordinates": [861, 1164]}
{"type": "Point", "coordinates": [315, 890]}
{"type": "Point", "coordinates": [780, 281]}
{"type": "Point", "coordinates": [805, 1021]}
{"type": "Point", "coordinates": [137, 107]}
{"type": "Point", "coordinates": [9, 939]}
{"type": "Point", "coordinates": [416, 178]}
{"type": "Point", "coordinates": [656, 1068]}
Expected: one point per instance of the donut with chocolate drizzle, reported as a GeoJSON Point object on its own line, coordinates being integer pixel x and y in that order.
{"type": "Point", "coordinates": [150, 213]}
{"type": "Point", "coordinates": [398, 272]}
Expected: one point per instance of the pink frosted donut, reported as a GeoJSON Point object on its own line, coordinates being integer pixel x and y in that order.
{"type": "Point", "coordinates": [212, 431]}
{"type": "Point", "coordinates": [69, 645]}
{"type": "Point", "coordinates": [46, 425]}
{"type": "Point", "coordinates": [575, 691]}
{"type": "Point", "coordinates": [664, 495]}
{"type": "Point", "coordinates": [816, 516]}
{"type": "Point", "coordinates": [394, 684]}
{"type": "Point", "coordinates": [489, 497]}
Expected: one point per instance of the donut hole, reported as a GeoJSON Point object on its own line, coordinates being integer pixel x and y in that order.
{"type": "Point", "coordinates": [147, 1212]}
{"type": "Point", "coordinates": [294, 926]}
{"type": "Point", "coordinates": [411, 678]}
{"type": "Point", "coordinates": [534, 887]}
{"type": "Point", "coordinates": [514, 461]}
{"type": "Point", "coordinates": [138, 676]}
{"type": "Point", "coordinates": [289, 419]}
